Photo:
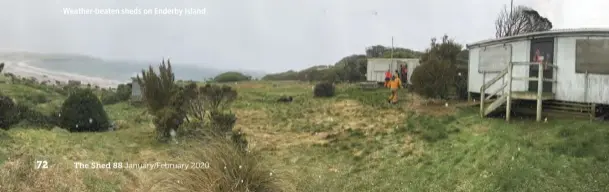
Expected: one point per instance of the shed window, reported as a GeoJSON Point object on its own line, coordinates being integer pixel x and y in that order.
{"type": "Point", "coordinates": [494, 58]}
{"type": "Point", "coordinates": [592, 56]}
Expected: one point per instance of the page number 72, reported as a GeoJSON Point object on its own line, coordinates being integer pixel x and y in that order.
{"type": "Point", "coordinates": [42, 164]}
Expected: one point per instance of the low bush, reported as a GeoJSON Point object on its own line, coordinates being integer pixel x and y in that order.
{"type": "Point", "coordinates": [8, 112]}
{"type": "Point", "coordinates": [231, 77]}
{"type": "Point", "coordinates": [29, 116]}
{"type": "Point", "coordinates": [123, 92]}
{"type": "Point", "coordinates": [217, 98]}
{"type": "Point", "coordinates": [165, 120]}
{"type": "Point", "coordinates": [325, 89]}
{"type": "Point", "coordinates": [222, 123]}
{"type": "Point", "coordinates": [83, 112]}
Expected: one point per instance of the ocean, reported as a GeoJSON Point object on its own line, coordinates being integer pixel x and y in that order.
{"type": "Point", "coordinates": [118, 70]}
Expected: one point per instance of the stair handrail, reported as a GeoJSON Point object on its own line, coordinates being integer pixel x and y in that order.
{"type": "Point", "coordinates": [490, 83]}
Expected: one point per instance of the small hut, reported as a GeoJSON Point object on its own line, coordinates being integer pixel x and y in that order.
{"type": "Point", "coordinates": [136, 90]}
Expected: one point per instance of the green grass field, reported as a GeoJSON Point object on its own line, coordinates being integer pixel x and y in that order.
{"type": "Point", "coordinates": [352, 142]}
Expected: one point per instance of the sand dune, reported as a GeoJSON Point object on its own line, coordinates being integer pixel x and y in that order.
{"type": "Point", "coordinates": [21, 68]}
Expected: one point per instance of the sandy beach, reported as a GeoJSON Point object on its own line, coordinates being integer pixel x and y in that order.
{"type": "Point", "coordinates": [21, 68]}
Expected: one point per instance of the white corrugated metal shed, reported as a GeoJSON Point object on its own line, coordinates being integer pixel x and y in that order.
{"type": "Point", "coordinates": [572, 86]}
{"type": "Point", "coordinates": [377, 67]}
{"type": "Point", "coordinates": [136, 90]}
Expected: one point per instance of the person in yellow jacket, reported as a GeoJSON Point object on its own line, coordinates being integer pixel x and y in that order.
{"type": "Point", "coordinates": [397, 74]}
{"type": "Point", "coordinates": [394, 85]}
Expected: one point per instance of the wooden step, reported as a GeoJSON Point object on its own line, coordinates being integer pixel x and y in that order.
{"type": "Point", "coordinates": [496, 104]}
{"type": "Point", "coordinates": [527, 95]}
{"type": "Point", "coordinates": [566, 103]}
{"type": "Point", "coordinates": [568, 108]}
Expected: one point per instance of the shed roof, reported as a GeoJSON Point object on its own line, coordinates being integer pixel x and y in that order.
{"type": "Point", "coordinates": [550, 33]}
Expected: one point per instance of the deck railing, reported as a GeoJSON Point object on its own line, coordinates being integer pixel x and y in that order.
{"type": "Point", "coordinates": [507, 95]}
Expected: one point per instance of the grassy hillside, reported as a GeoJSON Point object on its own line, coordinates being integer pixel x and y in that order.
{"type": "Point", "coordinates": [352, 142]}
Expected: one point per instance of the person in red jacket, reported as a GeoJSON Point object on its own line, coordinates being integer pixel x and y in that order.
{"type": "Point", "coordinates": [540, 59]}
{"type": "Point", "coordinates": [404, 75]}
{"type": "Point", "coordinates": [387, 77]}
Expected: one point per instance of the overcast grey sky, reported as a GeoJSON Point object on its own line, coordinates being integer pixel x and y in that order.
{"type": "Point", "coordinates": [270, 35]}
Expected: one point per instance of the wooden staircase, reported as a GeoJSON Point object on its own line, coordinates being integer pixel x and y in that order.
{"type": "Point", "coordinates": [507, 95]}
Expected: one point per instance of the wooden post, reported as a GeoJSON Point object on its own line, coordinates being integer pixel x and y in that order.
{"type": "Point", "coordinates": [482, 95]}
{"type": "Point", "coordinates": [593, 112]}
{"type": "Point", "coordinates": [390, 69]}
{"type": "Point", "coordinates": [554, 77]}
{"type": "Point", "coordinates": [539, 92]}
{"type": "Point", "coordinates": [508, 104]}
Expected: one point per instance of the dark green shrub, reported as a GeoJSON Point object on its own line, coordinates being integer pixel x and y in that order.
{"type": "Point", "coordinates": [161, 95]}
{"type": "Point", "coordinates": [157, 89]}
{"type": "Point", "coordinates": [8, 112]}
{"type": "Point", "coordinates": [36, 118]}
{"type": "Point", "coordinates": [332, 75]}
{"type": "Point", "coordinates": [222, 123]}
{"type": "Point", "coordinates": [123, 92]}
{"type": "Point", "coordinates": [461, 84]}
{"type": "Point", "coordinates": [325, 89]}
{"type": "Point", "coordinates": [433, 79]}
{"type": "Point", "coordinates": [83, 112]}
{"type": "Point", "coordinates": [194, 101]}
{"type": "Point", "coordinates": [218, 98]}
{"type": "Point", "coordinates": [436, 77]}
{"type": "Point", "coordinates": [165, 120]}
{"type": "Point", "coordinates": [231, 77]}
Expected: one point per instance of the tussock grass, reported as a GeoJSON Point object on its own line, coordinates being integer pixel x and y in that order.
{"type": "Point", "coordinates": [229, 169]}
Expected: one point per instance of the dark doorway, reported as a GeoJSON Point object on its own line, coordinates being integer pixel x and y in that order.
{"type": "Point", "coordinates": [542, 49]}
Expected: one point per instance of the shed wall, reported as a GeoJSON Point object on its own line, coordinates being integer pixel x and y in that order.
{"type": "Point", "coordinates": [571, 86]}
